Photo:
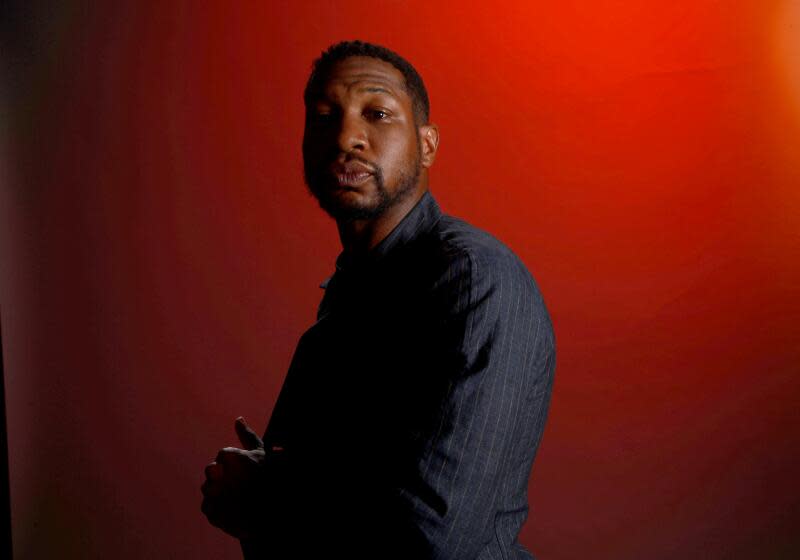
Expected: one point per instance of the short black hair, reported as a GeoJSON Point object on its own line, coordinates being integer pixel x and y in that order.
{"type": "Point", "coordinates": [322, 66]}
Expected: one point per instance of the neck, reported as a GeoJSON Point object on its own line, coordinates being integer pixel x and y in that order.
{"type": "Point", "coordinates": [360, 236]}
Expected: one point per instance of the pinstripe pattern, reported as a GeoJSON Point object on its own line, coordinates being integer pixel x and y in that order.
{"type": "Point", "coordinates": [413, 408]}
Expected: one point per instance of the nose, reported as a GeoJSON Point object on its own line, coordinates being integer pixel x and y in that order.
{"type": "Point", "coordinates": [352, 133]}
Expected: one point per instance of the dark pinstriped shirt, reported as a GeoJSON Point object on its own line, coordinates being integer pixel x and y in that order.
{"type": "Point", "coordinates": [412, 410]}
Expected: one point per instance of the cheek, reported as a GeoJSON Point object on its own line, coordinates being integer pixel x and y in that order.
{"type": "Point", "coordinates": [397, 153]}
{"type": "Point", "coordinates": [313, 146]}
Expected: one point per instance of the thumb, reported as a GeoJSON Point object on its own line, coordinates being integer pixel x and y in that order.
{"type": "Point", "coordinates": [248, 438]}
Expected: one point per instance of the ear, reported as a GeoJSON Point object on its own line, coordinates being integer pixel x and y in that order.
{"type": "Point", "coordinates": [429, 138]}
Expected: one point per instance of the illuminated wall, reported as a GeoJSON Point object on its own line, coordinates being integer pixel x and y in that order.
{"type": "Point", "coordinates": [161, 257]}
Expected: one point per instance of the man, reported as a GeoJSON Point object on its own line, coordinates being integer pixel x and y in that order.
{"type": "Point", "coordinates": [412, 410]}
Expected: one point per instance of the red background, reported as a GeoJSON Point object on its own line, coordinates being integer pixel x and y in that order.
{"type": "Point", "coordinates": [160, 254]}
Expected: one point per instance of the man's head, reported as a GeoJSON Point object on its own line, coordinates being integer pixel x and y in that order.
{"type": "Point", "coordinates": [367, 143]}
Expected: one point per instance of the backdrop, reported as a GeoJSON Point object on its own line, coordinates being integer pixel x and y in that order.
{"type": "Point", "coordinates": [161, 256]}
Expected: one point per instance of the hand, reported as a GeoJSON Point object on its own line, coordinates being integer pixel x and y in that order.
{"type": "Point", "coordinates": [233, 490]}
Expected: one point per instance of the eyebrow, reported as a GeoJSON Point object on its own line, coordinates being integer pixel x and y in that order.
{"type": "Point", "coordinates": [375, 83]}
{"type": "Point", "coordinates": [377, 89]}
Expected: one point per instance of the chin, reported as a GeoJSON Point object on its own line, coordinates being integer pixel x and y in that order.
{"type": "Point", "coordinates": [349, 208]}
{"type": "Point", "coordinates": [346, 203]}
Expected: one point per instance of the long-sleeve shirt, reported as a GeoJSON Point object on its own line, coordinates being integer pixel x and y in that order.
{"type": "Point", "coordinates": [411, 414]}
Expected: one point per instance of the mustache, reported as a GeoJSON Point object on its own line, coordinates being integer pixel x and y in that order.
{"type": "Point", "coordinates": [373, 167]}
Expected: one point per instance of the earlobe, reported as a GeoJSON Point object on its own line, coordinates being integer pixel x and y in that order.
{"type": "Point", "coordinates": [429, 136]}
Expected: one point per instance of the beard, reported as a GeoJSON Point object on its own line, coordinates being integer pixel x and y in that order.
{"type": "Point", "coordinates": [319, 183]}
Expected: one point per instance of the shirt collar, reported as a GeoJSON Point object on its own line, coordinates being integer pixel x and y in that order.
{"type": "Point", "coordinates": [420, 219]}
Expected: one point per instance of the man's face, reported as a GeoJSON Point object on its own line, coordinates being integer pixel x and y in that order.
{"type": "Point", "coordinates": [361, 146]}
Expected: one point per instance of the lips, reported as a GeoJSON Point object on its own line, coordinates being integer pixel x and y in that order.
{"type": "Point", "coordinates": [351, 174]}
{"type": "Point", "coordinates": [351, 179]}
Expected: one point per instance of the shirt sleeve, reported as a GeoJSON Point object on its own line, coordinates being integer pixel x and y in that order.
{"type": "Point", "coordinates": [498, 359]}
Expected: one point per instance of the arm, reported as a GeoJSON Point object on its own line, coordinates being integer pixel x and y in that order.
{"type": "Point", "coordinates": [499, 362]}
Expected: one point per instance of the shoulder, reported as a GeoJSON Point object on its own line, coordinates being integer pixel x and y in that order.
{"type": "Point", "coordinates": [469, 250]}
{"type": "Point", "coordinates": [484, 286]}
{"type": "Point", "coordinates": [473, 269]}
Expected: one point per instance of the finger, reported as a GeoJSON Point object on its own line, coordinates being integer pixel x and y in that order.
{"type": "Point", "coordinates": [214, 471]}
{"type": "Point", "coordinates": [221, 517]}
{"type": "Point", "coordinates": [213, 512]}
{"type": "Point", "coordinates": [207, 508]}
{"type": "Point", "coordinates": [212, 489]}
{"type": "Point", "coordinates": [227, 455]}
{"type": "Point", "coordinates": [248, 438]}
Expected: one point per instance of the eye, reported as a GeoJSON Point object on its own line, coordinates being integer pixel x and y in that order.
{"type": "Point", "coordinates": [321, 118]}
{"type": "Point", "coordinates": [377, 114]}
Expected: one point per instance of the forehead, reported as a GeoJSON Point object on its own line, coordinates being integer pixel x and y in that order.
{"type": "Point", "coordinates": [361, 73]}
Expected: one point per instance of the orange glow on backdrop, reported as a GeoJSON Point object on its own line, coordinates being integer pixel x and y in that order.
{"type": "Point", "coordinates": [787, 46]}
{"type": "Point", "coordinates": [161, 255]}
